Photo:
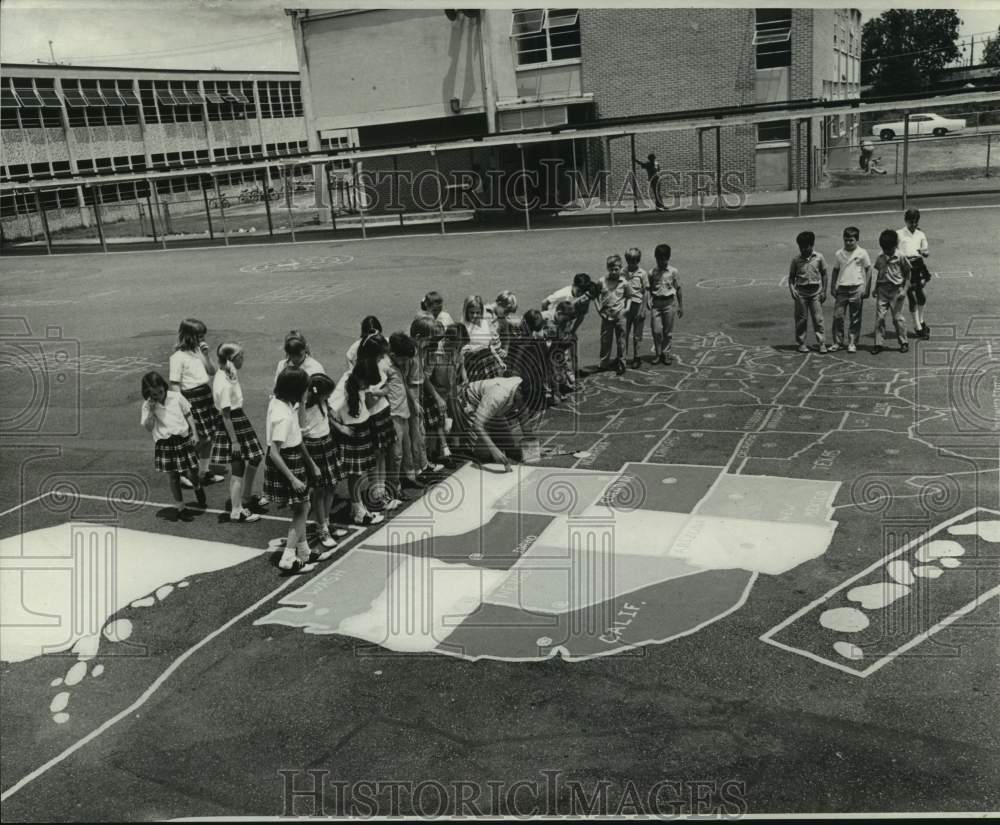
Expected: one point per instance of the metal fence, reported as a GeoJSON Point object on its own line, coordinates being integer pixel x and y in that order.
{"type": "Point", "coordinates": [963, 161]}
{"type": "Point", "coordinates": [539, 180]}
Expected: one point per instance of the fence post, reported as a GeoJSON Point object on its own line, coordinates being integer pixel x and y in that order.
{"type": "Point", "coordinates": [895, 167]}
{"type": "Point", "coordinates": [441, 189]}
{"type": "Point", "coordinates": [265, 173]}
{"type": "Point", "coordinates": [45, 222]}
{"type": "Point", "coordinates": [989, 145]}
{"type": "Point", "coordinates": [718, 168]}
{"type": "Point", "coordinates": [288, 200]}
{"type": "Point", "coordinates": [798, 169]}
{"type": "Point", "coordinates": [810, 159]}
{"type": "Point", "coordinates": [701, 168]}
{"type": "Point", "coordinates": [222, 210]}
{"type": "Point", "coordinates": [152, 215]}
{"type": "Point", "coordinates": [607, 181]}
{"type": "Point", "coordinates": [329, 191]}
{"type": "Point", "coordinates": [97, 217]}
{"type": "Point", "coordinates": [572, 179]}
{"type": "Point", "coordinates": [395, 177]}
{"type": "Point", "coordinates": [524, 190]}
{"type": "Point", "coordinates": [360, 205]}
{"type": "Point", "coordinates": [906, 154]}
{"type": "Point", "coordinates": [635, 182]}
{"type": "Point", "coordinates": [208, 209]}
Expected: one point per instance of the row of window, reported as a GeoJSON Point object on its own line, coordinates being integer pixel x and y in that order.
{"type": "Point", "coordinates": [32, 103]}
{"type": "Point", "coordinates": [546, 35]}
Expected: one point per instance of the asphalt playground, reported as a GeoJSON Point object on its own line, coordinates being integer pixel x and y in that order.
{"type": "Point", "coordinates": [752, 582]}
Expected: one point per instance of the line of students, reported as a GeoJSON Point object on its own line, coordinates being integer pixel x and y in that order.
{"type": "Point", "coordinates": [899, 273]}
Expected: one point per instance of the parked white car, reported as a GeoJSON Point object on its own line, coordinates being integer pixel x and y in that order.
{"type": "Point", "coordinates": [922, 124]}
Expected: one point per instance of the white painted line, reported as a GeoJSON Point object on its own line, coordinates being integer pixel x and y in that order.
{"type": "Point", "coordinates": [157, 683]}
{"type": "Point", "coordinates": [174, 504]}
{"type": "Point", "coordinates": [768, 635]}
{"type": "Point", "coordinates": [26, 503]}
{"type": "Point", "coordinates": [438, 235]}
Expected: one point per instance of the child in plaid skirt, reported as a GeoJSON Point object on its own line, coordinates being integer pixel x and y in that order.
{"type": "Point", "coordinates": [167, 415]}
{"type": "Point", "coordinates": [355, 445]}
{"type": "Point", "coordinates": [289, 465]}
{"type": "Point", "coordinates": [236, 442]}
{"type": "Point", "coordinates": [320, 445]}
{"type": "Point", "coordinates": [190, 371]}
{"type": "Point", "coordinates": [428, 408]}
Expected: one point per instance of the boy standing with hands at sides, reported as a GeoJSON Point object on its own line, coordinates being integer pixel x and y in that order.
{"type": "Point", "coordinates": [615, 295]}
{"type": "Point", "coordinates": [850, 286]}
{"type": "Point", "coordinates": [664, 302]}
{"type": "Point", "coordinates": [635, 317]}
{"type": "Point", "coordinates": [807, 283]}
{"type": "Point", "coordinates": [913, 247]}
{"type": "Point", "coordinates": [892, 278]}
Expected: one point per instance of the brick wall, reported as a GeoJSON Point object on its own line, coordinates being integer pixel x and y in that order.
{"type": "Point", "coordinates": [641, 61]}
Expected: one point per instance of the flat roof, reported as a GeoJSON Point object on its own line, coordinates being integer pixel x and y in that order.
{"type": "Point", "coordinates": [34, 69]}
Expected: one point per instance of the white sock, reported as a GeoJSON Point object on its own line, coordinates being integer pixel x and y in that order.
{"type": "Point", "coordinates": [303, 551]}
{"type": "Point", "coordinates": [236, 495]}
{"type": "Point", "coordinates": [918, 317]}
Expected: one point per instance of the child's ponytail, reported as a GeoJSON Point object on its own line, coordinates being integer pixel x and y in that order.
{"type": "Point", "coordinates": [225, 353]}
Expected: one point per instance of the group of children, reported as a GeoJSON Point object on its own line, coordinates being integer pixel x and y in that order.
{"type": "Point", "coordinates": [899, 273]}
{"type": "Point", "coordinates": [388, 419]}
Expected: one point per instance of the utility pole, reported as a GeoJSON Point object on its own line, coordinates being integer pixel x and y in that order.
{"type": "Point", "coordinates": [52, 52]}
{"type": "Point", "coordinates": [972, 52]}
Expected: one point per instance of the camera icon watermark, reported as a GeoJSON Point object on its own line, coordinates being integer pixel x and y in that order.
{"type": "Point", "coordinates": [958, 373]}
{"type": "Point", "coordinates": [40, 372]}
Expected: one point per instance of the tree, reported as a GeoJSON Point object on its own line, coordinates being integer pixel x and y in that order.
{"type": "Point", "coordinates": [905, 50]}
{"type": "Point", "coordinates": [991, 52]}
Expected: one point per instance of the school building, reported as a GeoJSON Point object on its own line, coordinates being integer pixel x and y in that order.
{"type": "Point", "coordinates": [410, 76]}
{"type": "Point", "coordinates": [60, 121]}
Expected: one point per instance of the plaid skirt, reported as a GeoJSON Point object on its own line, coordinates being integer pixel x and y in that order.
{"type": "Point", "coordinates": [433, 417]}
{"type": "Point", "coordinates": [276, 484]}
{"type": "Point", "coordinates": [324, 455]}
{"type": "Point", "coordinates": [383, 430]}
{"type": "Point", "coordinates": [250, 444]}
{"type": "Point", "coordinates": [355, 452]}
{"type": "Point", "coordinates": [206, 418]}
{"type": "Point", "coordinates": [175, 455]}
{"type": "Point", "coordinates": [483, 364]}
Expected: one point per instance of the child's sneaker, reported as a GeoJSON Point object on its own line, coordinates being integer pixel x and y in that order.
{"type": "Point", "coordinates": [876, 349]}
{"type": "Point", "coordinates": [391, 504]}
{"type": "Point", "coordinates": [363, 518]}
{"type": "Point", "coordinates": [851, 347]}
{"type": "Point", "coordinates": [321, 555]}
{"type": "Point", "coordinates": [244, 516]}
{"type": "Point", "coordinates": [325, 537]}
{"type": "Point", "coordinates": [904, 347]}
{"type": "Point", "coordinates": [832, 348]}
{"type": "Point", "coordinates": [263, 501]}
{"type": "Point", "coordinates": [823, 349]}
{"type": "Point", "coordinates": [925, 332]}
{"type": "Point", "coordinates": [620, 368]}
{"type": "Point", "coordinates": [211, 478]}
{"type": "Point", "coordinates": [803, 348]}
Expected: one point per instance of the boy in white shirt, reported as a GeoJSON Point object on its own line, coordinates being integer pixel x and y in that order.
{"type": "Point", "coordinates": [851, 284]}
{"type": "Point", "coordinates": [913, 247]}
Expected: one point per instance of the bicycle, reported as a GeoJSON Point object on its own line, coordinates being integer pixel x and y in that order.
{"type": "Point", "coordinates": [250, 195]}
{"type": "Point", "coordinates": [219, 203]}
